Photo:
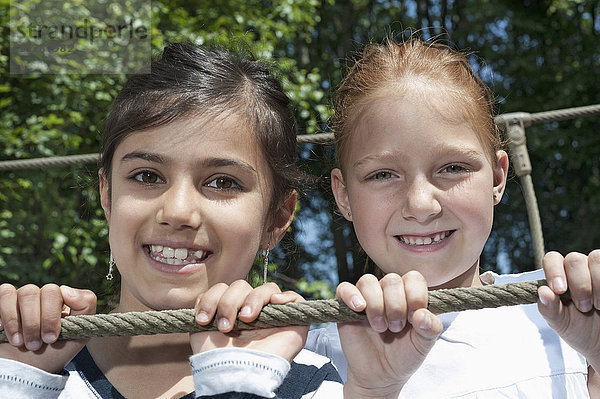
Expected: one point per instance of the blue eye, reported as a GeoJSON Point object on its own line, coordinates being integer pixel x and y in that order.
{"type": "Point", "coordinates": [147, 177]}
{"type": "Point", "coordinates": [454, 169]}
{"type": "Point", "coordinates": [224, 183]}
{"type": "Point", "coordinates": [382, 175]}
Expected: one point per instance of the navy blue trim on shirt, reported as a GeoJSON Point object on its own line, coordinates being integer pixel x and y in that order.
{"type": "Point", "coordinates": [89, 372]}
{"type": "Point", "coordinates": [301, 379]}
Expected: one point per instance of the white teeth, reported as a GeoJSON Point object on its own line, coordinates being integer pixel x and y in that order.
{"type": "Point", "coordinates": [181, 253]}
{"type": "Point", "coordinates": [168, 252]}
{"type": "Point", "coordinates": [424, 240]}
{"type": "Point", "coordinates": [175, 256]}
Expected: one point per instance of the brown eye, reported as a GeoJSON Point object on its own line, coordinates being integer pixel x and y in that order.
{"type": "Point", "coordinates": [148, 177]}
{"type": "Point", "coordinates": [224, 183]}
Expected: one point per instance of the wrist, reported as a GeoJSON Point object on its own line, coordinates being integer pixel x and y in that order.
{"type": "Point", "coordinates": [353, 390]}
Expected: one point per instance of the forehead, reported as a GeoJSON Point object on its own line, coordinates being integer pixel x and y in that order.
{"type": "Point", "coordinates": [189, 139]}
{"type": "Point", "coordinates": [409, 123]}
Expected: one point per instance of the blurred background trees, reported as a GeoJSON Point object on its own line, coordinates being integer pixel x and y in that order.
{"type": "Point", "coordinates": [536, 55]}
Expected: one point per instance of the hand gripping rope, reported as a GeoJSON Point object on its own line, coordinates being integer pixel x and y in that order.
{"type": "Point", "coordinates": [297, 313]}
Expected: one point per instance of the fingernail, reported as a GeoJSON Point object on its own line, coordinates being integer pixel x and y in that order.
{"type": "Point", "coordinates": [558, 284]}
{"type": "Point", "coordinates": [597, 307]}
{"type": "Point", "coordinates": [245, 311]}
{"type": "Point", "coordinates": [223, 324]}
{"type": "Point", "coordinates": [395, 326]}
{"type": "Point", "coordinates": [357, 301]}
{"type": "Point", "coordinates": [49, 338]}
{"type": "Point", "coordinates": [425, 323]}
{"type": "Point", "coordinates": [543, 301]}
{"type": "Point", "coordinates": [379, 324]}
{"type": "Point", "coordinates": [17, 339]}
{"type": "Point", "coordinates": [202, 317]}
{"type": "Point", "coordinates": [33, 345]}
{"type": "Point", "coordinates": [585, 305]}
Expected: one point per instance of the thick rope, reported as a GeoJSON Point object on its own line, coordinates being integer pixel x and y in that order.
{"type": "Point", "coordinates": [298, 313]}
{"type": "Point", "coordinates": [48, 162]}
{"type": "Point", "coordinates": [320, 138]}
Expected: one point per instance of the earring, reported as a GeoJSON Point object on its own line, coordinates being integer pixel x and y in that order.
{"type": "Point", "coordinates": [349, 214]}
{"type": "Point", "coordinates": [111, 263]}
{"type": "Point", "coordinates": [265, 256]}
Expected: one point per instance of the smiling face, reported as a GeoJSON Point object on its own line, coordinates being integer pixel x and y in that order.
{"type": "Point", "coordinates": [187, 209]}
{"type": "Point", "coordinates": [420, 190]}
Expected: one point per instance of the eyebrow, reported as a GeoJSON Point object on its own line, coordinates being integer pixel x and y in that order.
{"type": "Point", "coordinates": [205, 163]}
{"type": "Point", "coordinates": [373, 157]}
{"type": "Point", "coordinates": [223, 162]}
{"type": "Point", "coordinates": [146, 156]}
{"type": "Point", "coordinates": [439, 152]}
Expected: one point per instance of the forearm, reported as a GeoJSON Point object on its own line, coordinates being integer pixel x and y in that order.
{"type": "Point", "coordinates": [353, 389]}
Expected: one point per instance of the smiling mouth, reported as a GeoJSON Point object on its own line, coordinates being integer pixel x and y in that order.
{"type": "Point", "coordinates": [425, 240]}
{"type": "Point", "coordinates": [176, 256]}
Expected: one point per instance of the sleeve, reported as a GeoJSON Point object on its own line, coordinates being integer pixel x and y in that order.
{"type": "Point", "coordinates": [20, 380]}
{"type": "Point", "coordinates": [311, 377]}
{"type": "Point", "coordinates": [247, 372]}
{"type": "Point", "coordinates": [326, 342]}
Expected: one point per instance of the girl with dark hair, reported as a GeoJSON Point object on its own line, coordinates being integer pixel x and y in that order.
{"type": "Point", "coordinates": [198, 174]}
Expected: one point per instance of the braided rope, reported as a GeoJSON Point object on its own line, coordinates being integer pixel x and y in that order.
{"type": "Point", "coordinates": [298, 313]}
{"type": "Point", "coordinates": [565, 114]}
{"type": "Point", "coordinates": [48, 162]}
{"type": "Point", "coordinates": [320, 138]}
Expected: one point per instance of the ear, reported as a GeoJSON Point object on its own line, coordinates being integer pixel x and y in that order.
{"type": "Point", "coordinates": [340, 192]}
{"type": "Point", "coordinates": [500, 175]}
{"type": "Point", "coordinates": [281, 221]}
{"type": "Point", "coordinates": [104, 194]}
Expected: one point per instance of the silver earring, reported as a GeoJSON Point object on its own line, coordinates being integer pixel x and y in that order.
{"type": "Point", "coordinates": [111, 263]}
{"type": "Point", "coordinates": [265, 256]}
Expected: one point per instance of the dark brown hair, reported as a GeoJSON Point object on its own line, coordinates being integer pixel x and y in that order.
{"type": "Point", "coordinates": [190, 80]}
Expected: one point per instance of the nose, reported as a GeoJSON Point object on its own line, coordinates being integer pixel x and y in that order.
{"type": "Point", "coordinates": [179, 207]}
{"type": "Point", "coordinates": [422, 201]}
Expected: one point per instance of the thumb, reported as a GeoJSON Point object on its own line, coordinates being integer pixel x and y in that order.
{"type": "Point", "coordinates": [552, 309]}
{"type": "Point", "coordinates": [79, 301]}
{"type": "Point", "coordinates": [426, 329]}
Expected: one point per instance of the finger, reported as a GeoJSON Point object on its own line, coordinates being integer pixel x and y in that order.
{"type": "Point", "coordinates": [351, 296]}
{"type": "Point", "coordinates": [594, 265]}
{"type": "Point", "coordinates": [394, 301]}
{"type": "Point", "coordinates": [286, 297]}
{"type": "Point", "coordinates": [552, 309]}
{"type": "Point", "coordinates": [415, 287]}
{"type": "Point", "coordinates": [230, 304]}
{"type": "Point", "coordinates": [51, 302]}
{"type": "Point", "coordinates": [373, 293]}
{"type": "Point", "coordinates": [206, 304]}
{"type": "Point", "coordinates": [554, 268]}
{"type": "Point", "coordinates": [28, 298]}
{"type": "Point", "coordinates": [426, 328]}
{"type": "Point", "coordinates": [579, 281]}
{"type": "Point", "coordinates": [79, 301]}
{"type": "Point", "coordinates": [256, 299]}
{"type": "Point", "coordinates": [9, 314]}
